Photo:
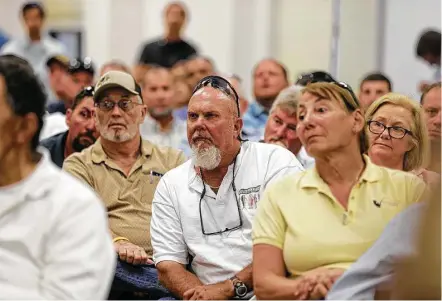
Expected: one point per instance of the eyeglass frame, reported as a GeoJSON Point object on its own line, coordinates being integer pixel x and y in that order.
{"type": "Point", "coordinates": [118, 103]}
{"type": "Point", "coordinates": [388, 128]}
{"type": "Point", "coordinates": [203, 193]}
{"type": "Point", "coordinates": [213, 81]}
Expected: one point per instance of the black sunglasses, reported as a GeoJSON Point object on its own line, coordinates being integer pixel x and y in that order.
{"type": "Point", "coordinates": [221, 84]}
{"type": "Point", "coordinates": [347, 87]}
{"type": "Point", "coordinates": [86, 92]}
{"type": "Point", "coordinates": [237, 204]}
{"type": "Point", "coordinates": [314, 77]}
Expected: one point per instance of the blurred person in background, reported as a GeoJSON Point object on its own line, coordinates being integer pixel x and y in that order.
{"type": "Point", "coordinates": [172, 47]}
{"type": "Point", "coordinates": [269, 78]}
{"type": "Point", "coordinates": [82, 71]}
{"type": "Point", "coordinates": [372, 87]}
{"type": "Point", "coordinates": [81, 133]}
{"type": "Point", "coordinates": [202, 249]}
{"type": "Point", "coordinates": [3, 38]}
{"type": "Point", "coordinates": [294, 255]}
{"type": "Point", "coordinates": [431, 105]}
{"type": "Point", "coordinates": [280, 128]}
{"type": "Point", "coordinates": [159, 126]}
{"type": "Point", "coordinates": [197, 67]}
{"type": "Point", "coordinates": [62, 83]}
{"type": "Point", "coordinates": [120, 158]}
{"type": "Point", "coordinates": [52, 224]}
{"type": "Point", "coordinates": [397, 135]}
{"type": "Point", "coordinates": [428, 48]}
{"type": "Point", "coordinates": [425, 265]}
{"type": "Point", "coordinates": [179, 70]}
{"type": "Point", "coordinates": [236, 83]}
{"type": "Point", "coordinates": [37, 46]}
{"type": "Point", "coordinates": [114, 65]}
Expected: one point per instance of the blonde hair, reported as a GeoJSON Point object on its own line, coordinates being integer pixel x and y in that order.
{"type": "Point", "coordinates": [334, 92]}
{"type": "Point", "coordinates": [418, 156]}
{"type": "Point", "coordinates": [287, 100]}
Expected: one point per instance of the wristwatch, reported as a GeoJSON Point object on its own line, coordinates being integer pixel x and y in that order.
{"type": "Point", "coordinates": [239, 287]}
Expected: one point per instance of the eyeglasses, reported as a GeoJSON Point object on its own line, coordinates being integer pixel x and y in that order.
{"type": "Point", "coordinates": [396, 132]}
{"type": "Point", "coordinates": [237, 204]}
{"type": "Point", "coordinates": [221, 84]}
{"type": "Point", "coordinates": [124, 104]}
{"type": "Point", "coordinates": [347, 87]}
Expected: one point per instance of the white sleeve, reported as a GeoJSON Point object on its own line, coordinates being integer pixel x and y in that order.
{"type": "Point", "coordinates": [165, 227]}
{"type": "Point", "coordinates": [80, 258]}
{"type": "Point", "coordinates": [282, 163]}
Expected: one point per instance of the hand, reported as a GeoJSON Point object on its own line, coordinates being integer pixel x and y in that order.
{"type": "Point", "coordinates": [324, 278]}
{"type": "Point", "coordinates": [304, 286]}
{"type": "Point", "coordinates": [131, 253]}
{"type": "Point", "coordinates": [218, 291]}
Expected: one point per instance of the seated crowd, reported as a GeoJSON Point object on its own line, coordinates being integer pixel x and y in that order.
{"type": "Point", "coordinates": [167, 183]}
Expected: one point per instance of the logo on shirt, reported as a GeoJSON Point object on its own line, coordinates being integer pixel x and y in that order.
{"type": "Point", "coordinates": [249, 197]}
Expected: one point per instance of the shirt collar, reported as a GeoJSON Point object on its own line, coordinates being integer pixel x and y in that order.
{"type": "Point", "coordinates": [99, 156]}
{"type": "Point", "coordinates": [311, 179]}
{"type": "Point", "coordinates": [257, 109]}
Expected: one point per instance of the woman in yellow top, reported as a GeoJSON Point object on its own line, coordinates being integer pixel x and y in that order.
{"type": "Point", "coordinates": [311, 226]}
{"type": "Point", "coordinates": [398, 137]}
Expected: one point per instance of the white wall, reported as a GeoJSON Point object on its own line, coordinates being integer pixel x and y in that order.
{"type": "Point", "coordinates": [358, 41]}
{"type": "Point", "coordinates": [304, 35]}
{"type": "Point", "coordinates": [10, 21]}
{"type": "Point", "coordinates": [405, 19]}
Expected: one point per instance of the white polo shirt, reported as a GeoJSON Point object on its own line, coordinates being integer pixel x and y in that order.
{"type": "Point", "coordinates": [54, 238]}
{"type": "Point", "coordinates": [176, 224]}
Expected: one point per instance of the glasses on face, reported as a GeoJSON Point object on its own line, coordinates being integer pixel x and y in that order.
{"type": "Point", "coordinates": [396, 132]}
{"type": "Point", "coordinates": [347, 87]}
{"type": "Point", "coordinates": [125, 104]}
{"type": "Point", "coordinates": [221, 84]}
{"type": "Point", "coordinates": [237, 205]}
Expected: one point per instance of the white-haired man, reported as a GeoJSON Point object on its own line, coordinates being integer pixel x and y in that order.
{"type": "Point", "coordinates": [204, 209]}
{"type": "Point", "coordinates": [281, 126]}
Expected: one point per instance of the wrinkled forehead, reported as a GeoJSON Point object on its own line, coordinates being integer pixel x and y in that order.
{"type": "Point", "coordinates": [211, 97]}
{"type": "Point", "coordinates": [433, 98]}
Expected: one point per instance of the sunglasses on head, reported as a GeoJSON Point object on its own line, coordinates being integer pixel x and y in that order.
{"type": "Point", "coordinates": [220, 84]}
{"type": "Point", "coordinates": [347, 87]}
{"type": "Point", "coordinates": [314, 77]}
{"type": "Point", "coordinates": [87, 92]}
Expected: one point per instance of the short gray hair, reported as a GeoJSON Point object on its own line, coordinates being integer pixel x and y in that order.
{"type": "Point", "coordinates": [288, 99]}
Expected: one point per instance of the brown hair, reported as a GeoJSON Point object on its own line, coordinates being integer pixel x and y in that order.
{"type": "Point", "coordinates": [335, 92]}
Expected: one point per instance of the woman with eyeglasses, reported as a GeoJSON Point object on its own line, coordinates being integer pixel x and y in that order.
{"type": "Point", "coordinates": [398, 137]}
{"type": "Point", "coordinates": [310, 227]}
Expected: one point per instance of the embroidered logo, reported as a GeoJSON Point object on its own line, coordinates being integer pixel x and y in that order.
{"type": "Point", "coordinates": [249, 197]}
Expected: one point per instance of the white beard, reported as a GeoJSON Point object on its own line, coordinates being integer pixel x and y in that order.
{"type": "Point", "coordinates": [207, 158]}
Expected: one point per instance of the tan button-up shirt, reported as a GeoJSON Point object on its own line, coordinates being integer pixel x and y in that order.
{"type": "Point", "coordinates": [128, 199]}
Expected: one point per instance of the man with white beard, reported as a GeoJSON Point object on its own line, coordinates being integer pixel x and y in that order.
{"type": "Point", "coordinates": [204, 208]}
